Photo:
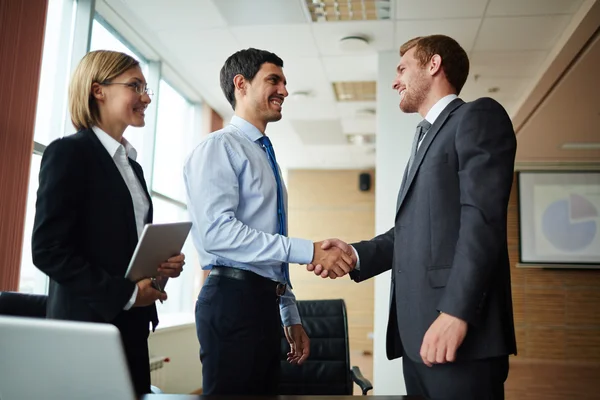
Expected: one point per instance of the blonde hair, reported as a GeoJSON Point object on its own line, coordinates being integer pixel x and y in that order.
{"type": "Point", "coordinates": [95, 67]}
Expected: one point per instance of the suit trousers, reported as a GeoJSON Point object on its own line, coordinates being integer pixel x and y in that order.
{"type": "Point", "coordinates": [466, 380]}
{"type": "Point", "coordinates": [239, 330]}
{"type": "Point", "coordinates": [134, 336]}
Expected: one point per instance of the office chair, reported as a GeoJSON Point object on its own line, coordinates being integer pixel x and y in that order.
{"type": "Point", "coordinates": [23, 304]}
{"type": "Point", "coordinates": [33, 306]}
{"type": "Point", "coordinates": [327, 371]}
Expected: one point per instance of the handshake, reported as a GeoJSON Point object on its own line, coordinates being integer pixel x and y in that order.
{"type": "Point", "coordinates": [332, 258]}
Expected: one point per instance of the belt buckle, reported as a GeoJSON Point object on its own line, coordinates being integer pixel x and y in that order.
{"type": "Point", "coordinates": [280, 289]}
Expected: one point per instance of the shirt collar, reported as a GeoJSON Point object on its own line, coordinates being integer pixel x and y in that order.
{"type": "Point", "coordinates": [438, 107]}
{"type": "Point", "coordinates": [246, 127]}
{"type": "Point", "coordinates": [111, 145]}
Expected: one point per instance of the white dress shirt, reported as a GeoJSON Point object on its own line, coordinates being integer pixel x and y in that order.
{"type": "Point", "coordinates": [435, 112]}
{"type": "Point", "coordinates": [120, 152]}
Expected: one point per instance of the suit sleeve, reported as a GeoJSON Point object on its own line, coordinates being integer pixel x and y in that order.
{"type": "Point", "coordinates": [376, 256]}
{"type": "Point", "coordinates": [485, 144]}
{"type": "Point", "coordinates": [55, 237]}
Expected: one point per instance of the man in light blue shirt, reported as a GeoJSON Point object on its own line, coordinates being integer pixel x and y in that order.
{"type": "Point", "coordinates": [238, 205]}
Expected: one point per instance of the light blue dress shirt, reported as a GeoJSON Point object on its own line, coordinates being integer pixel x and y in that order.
{"type": "Point", "coordinates": [232, 200]}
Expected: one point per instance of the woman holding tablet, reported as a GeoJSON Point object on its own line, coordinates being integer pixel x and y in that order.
{"type": "Point", "coordinates": [92, 205]}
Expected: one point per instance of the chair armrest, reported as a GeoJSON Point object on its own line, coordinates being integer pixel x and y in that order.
{"type": "Point", "coordinates": [361, 381]}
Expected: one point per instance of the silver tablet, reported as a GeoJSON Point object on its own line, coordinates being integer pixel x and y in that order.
{"type": "Point", "coordinates": [157, 243]}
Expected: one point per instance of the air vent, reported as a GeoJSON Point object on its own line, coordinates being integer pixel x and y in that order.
{"type": "Point", "coordinates": [348, 10]}
{"type": "Point", "coordinates": [355, 91]}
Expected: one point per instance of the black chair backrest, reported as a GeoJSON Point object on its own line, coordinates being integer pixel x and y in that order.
{"type": "Point", "coordinates": [23, 304]}
{"type": "Point", "coordinates": [327, 370]}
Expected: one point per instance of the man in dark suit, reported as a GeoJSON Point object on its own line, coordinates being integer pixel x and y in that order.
{"type": "Point", "coordinates": [451, 315]}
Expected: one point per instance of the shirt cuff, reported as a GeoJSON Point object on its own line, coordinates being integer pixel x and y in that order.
{"type": "Point", "coordinates": [357, 266]}
{"type": "Point", "coordinates": [289, 314]}
{"type": "Point", "coordinates": [301, 251]}
{"type": "Point", "coordinates": [131, 301]}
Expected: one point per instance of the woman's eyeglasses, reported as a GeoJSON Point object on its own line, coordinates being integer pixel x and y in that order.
{"type": "Point", "coordinates": [138, 87]}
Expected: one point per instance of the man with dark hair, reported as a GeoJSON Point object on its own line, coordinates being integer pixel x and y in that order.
{"type": "Point", "coordinates": [451, 316]}
{"type": "Point", "coordinates": [237, 202]}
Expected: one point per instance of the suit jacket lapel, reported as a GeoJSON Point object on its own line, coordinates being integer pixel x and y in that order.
{"type": "Point", "coordinates": [429, 137]}
{"type": "Point", "coordinates": [137, 168]}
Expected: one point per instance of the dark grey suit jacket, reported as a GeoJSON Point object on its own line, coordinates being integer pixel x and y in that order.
{"type": "Point", "coordinates": [448, 248]}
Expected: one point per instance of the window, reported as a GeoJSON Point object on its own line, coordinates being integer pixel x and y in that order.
{"type": "Point", "coordinates": [174, 139]}
{"type": "Point", "coordinates": [52, 94]}
{"type": "Point", "coordinates": [32, 280]}
{"type": "Point", "coordinates": [183, 290]}
{"type": "Point", "coordinates": [49, 122]}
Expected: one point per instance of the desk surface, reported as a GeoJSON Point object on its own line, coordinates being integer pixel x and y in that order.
{"type": "Point", "coordinates": [200, 397]}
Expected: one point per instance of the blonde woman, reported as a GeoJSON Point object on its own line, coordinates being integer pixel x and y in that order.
{"type": "Point", "coordinates": [92, 205]}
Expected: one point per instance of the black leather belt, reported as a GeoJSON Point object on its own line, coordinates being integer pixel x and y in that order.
{"type": "Point", "coordinates": [254, 279]}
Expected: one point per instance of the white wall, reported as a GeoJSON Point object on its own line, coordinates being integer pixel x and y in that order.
{"type": "Point", "coordinates": [395, 131]}
{"type": "Point", "coordinates": [184, 372]}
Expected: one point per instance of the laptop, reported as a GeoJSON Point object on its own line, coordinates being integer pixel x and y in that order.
{"type": "Point", "coordinates": [52, 359]}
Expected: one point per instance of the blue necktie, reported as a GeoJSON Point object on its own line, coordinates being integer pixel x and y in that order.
{"type": "Point", "coordinates": [268, 147]}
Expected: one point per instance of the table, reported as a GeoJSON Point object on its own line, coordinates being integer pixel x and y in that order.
{"type": "Point", "coordinates": [201, 397]}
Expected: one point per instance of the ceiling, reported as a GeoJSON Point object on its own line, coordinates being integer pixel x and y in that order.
{"type": "Point", "coordinates": [511, 45]}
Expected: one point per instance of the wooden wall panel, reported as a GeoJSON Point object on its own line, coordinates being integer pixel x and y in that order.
{"type": "Point", "coordinates": [22, 26]}
{"type": "Point", "coordinates": [557, 318]}
{"type": "Point", "coordinates": [324, 204]}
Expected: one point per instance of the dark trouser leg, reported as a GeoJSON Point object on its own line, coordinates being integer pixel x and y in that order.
{"type": "Point", "coordinates": [135, 344]}
{"type": "Point", "coordinates": [238, 327]}
{"type": "Point", "coordinates": [414, 385]}
{"type": "Point", "coordinates": [469, 380]}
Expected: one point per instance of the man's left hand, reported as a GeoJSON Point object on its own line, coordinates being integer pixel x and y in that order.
{"type": "Point", "coordinates": [442, 340]}
{"type": "Point", "coordinates": [299, 344]}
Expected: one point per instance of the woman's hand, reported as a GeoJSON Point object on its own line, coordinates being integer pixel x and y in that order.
{"type": "Point", "coordinates": [172, 267]}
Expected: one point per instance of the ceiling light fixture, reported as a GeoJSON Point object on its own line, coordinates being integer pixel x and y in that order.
{"type": "Point", "coordinates": [365, 113]}
{"type": "Point", "coordinates": [301, 94]}
{"type": "Point", "coordinates": [354, 43]}
{"type": "Point", "coordinates": [358, 139]}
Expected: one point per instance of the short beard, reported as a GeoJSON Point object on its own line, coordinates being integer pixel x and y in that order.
{"type": "Point", "coordinates": [413, 99]}
{"type": "Point", "coordinates": [274, 117]}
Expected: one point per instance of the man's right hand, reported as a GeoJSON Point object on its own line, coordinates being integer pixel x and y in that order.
{"type": "Point", "coordinates": [331, 244]}
{"type": "Point", "coordinates": [332, 260]}
{"type": "Point", "coordinates": [147, 294]}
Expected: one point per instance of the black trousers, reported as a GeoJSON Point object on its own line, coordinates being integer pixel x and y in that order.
{"type": "Point", "coordinates": [469, 380]}
{"type": "Point", "coordinates": [239, 329]}
{"type": "Point", "coordinates": [134, 336]}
